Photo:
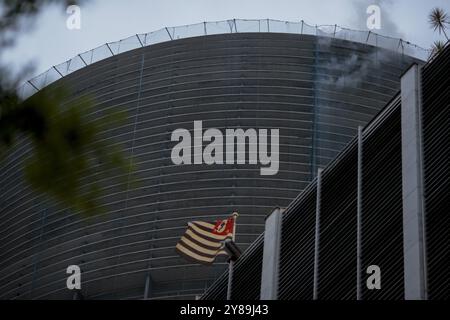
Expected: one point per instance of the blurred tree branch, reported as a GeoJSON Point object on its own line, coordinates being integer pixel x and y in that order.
{"type": "Point", "coordinates": [14, 12]}
{"type": "Point", "coordinates": [68, 157]}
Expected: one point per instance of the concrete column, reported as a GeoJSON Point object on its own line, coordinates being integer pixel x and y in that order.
{"type": "Point", "coordinates": [271, 255]}
{"type": "Point", "coordinates": [412, 184]}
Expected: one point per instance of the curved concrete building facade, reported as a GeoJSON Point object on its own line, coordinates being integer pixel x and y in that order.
{"type": "Point", "coordinates": [316, 91]}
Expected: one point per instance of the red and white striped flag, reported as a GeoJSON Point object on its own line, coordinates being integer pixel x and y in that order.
{"type": "Point", "coordinates": [202, 241]}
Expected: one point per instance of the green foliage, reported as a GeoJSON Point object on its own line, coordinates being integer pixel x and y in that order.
{"type": "Point", "coordinates": [69, 154]}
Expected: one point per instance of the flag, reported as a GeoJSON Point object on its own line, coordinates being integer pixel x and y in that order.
{"type": "Point", "coordinates": [202, 241]}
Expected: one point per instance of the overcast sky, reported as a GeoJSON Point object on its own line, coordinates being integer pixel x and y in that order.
{"type": "Point", "coordinates": [49, 42]}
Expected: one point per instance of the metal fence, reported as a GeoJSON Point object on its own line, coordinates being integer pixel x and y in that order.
{"type": "Point", "coordinates": [380, 191]}
{"type": "Point", "coordinates": [210, 28]}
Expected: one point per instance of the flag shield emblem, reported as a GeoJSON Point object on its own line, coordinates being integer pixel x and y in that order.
{"type": "Point", "coordinates": [202, 241]}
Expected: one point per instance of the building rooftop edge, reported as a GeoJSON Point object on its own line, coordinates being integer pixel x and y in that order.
{"type": "Point", "coordinates": [166, 34]}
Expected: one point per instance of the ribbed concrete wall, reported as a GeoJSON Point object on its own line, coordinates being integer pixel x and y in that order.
{"type": "Point", "coordinates": [314, 90]}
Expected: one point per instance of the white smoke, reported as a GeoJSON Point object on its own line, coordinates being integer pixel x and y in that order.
{"type": "Point", "coordinates": [347, 70]}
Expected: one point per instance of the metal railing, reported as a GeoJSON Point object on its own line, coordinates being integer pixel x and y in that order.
{"type": "Point", "coordinates": [219, 27]}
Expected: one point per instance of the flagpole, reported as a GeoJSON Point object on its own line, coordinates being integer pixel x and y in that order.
{"type": "Point", "coordinates": [235, 215]}
{"type": "Point", "coordinates": [230, 264]}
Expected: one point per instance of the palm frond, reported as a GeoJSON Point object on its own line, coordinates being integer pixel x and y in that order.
{"type": "Point", "coordinates": [439, 20]}
{"type": "Point", "coordinates": [437, 47]}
